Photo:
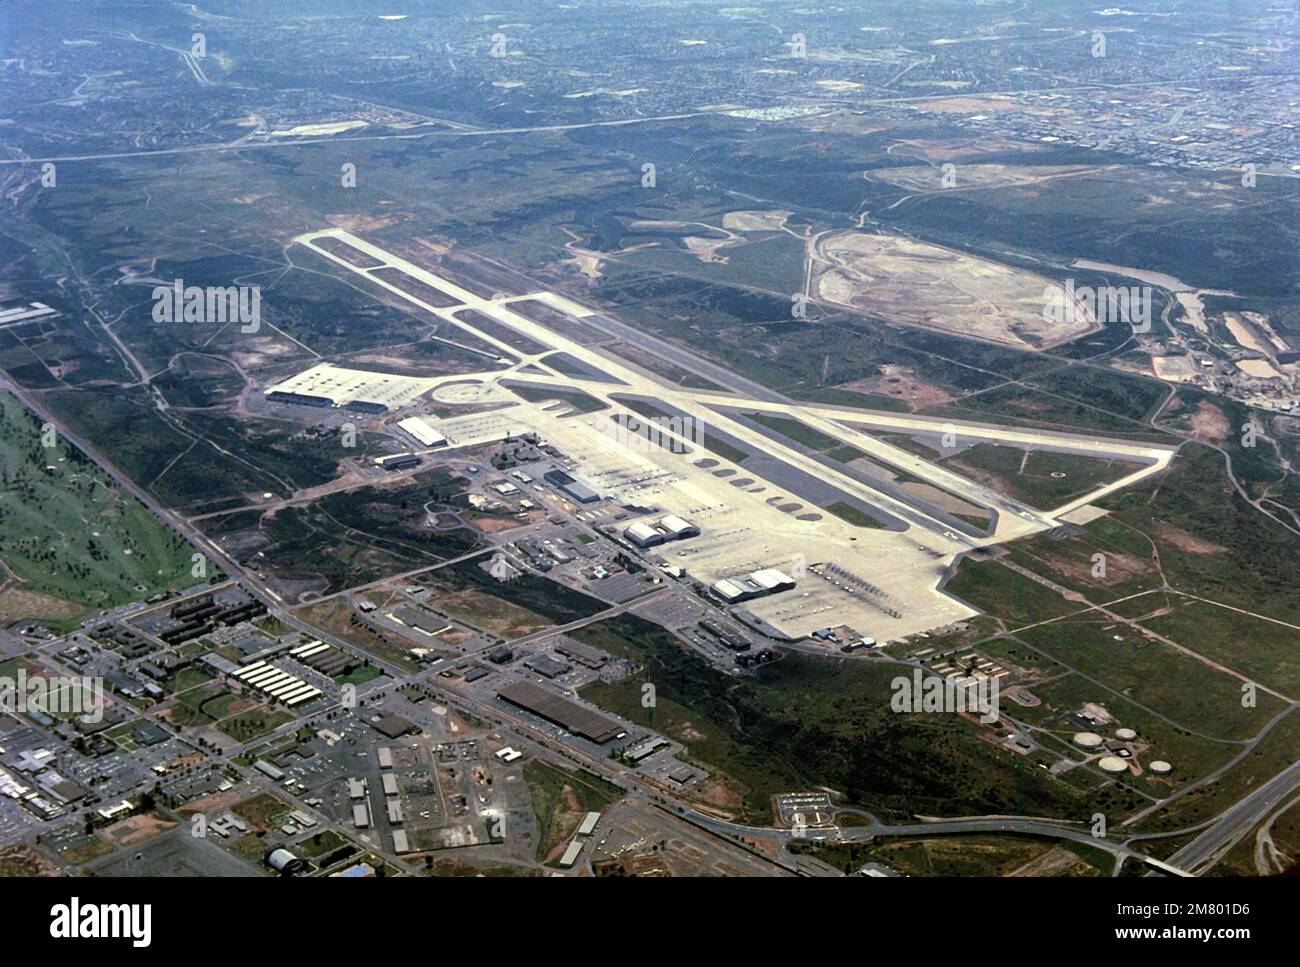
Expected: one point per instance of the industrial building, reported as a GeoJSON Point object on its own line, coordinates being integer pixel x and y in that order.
{"type": "Point", "coordinates": [547, 666]}
{"type": "Point", "coordinates": [644, 749]}
{"type": "Point", "coordinates": [571, 854]}
{"type": "Point", "coordinates": [399, 461]}
{"type": "Point", "coordinates": [754, 585]}
{"type": "Point", "coordinates": [570, 486]}
{"type": "Point", "coordinates": [299, 399]}
{"type": "Point", "coordinates": [578, 719]}
{"type": "Point", "coordinates": [362, 391]}
{"type": "Point", "coordinates": [268, 770]}
{"type": "Point", "coordinates": [582, 654]}
{"type": "Point", "coordinates": [392, 726]}
{"type": "Point", "coordinates": [361, 816]}
{"type": "Point", "coordinates": [418, 619]}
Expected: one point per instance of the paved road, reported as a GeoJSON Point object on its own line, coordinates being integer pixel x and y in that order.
{"type": "Point", "coordinates": [1237, 821]}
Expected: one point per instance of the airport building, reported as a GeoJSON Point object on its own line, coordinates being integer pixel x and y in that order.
{"type": "Point", "coordinates": [421, 431]}
{"type": "Point", "coordinates": [670, 528]}
{"type": "Point", "coordinates": [643, 535]}
{"type": "Point", "coordinates": [757, 584]}
{"type": "Point", "coordinates": [299, 399]}
{"type": "Point", "coordinates": [570, 486]}
{"type": "Point", "coordinates": [678, 528]}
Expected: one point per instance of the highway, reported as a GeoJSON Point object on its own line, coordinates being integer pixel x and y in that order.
{"type": "Point", "coordinates": [1237, 821]}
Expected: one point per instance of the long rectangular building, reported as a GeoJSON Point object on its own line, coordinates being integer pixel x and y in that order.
{"type": "Point", "coordinates": [276, 684]}
{"type": "Point", "coordinates": [578, 719]}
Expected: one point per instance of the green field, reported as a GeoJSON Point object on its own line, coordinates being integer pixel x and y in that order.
{"type": "Point", "coordinates": [811, 722]}
{"type": "Point", "coordinates": [851, 515]}
{"type": "Point", "coordinates": [1039, 478]}
{"type": "Point", "coordinates": [1003, 593]}
{"type": "Point", "coordinates": [71, 541]}
{"type": "Point", "coordinates": [1262, 649]}
{"type": "Point", "coordinates": [254, 723]}
{"type": "Point", "coordinates": [1153, 674]}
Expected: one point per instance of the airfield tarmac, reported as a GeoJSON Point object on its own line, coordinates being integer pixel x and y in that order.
{"type": "Point", "coordinates": [769, 509]}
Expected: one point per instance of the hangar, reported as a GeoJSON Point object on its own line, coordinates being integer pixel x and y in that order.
{"type": "Point", "coordinates": [570, 486]}
{"type": "Point", "coordinates": [670, 528]}
{"type": "Point", "coordinates": [357, 389]}
{"type": "Point", "coordinates": [756, 584]}
{"type": "Point", "coordinates": [678, 528]}
{"type": "Point", "coordinates": [421, 431]}
{"type": "Point", "coordinates": [643, 535]}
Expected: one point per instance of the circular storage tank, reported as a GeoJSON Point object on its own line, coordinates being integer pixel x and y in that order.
{"type": "Point", "coordinates": [1113, 763]}
{"type": "Point", "coordinates": [1160, 767]}
{"type": "Point", "coordinates": [1125, 735]}
{"type": "Point", "coordinates": [1088, 740]}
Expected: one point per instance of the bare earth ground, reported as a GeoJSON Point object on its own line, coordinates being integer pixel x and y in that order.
{"type": "Point", "coordinates": [917, 283]}
{"type": "Point", "coordinates": [137, 829]}
{"type": "Point", "coordinates": [898, 382]}
{"type": "Point", "coordinates": [16, 604]}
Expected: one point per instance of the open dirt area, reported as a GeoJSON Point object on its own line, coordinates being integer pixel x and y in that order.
{"type": "Point", "coordinates": [927, 177]}
{"type": "Point", "coordinates": [914, 282]}
{"type": "Point", "coordinates": [898, 382]}
{"type": "Point", "coordinates": [1177, 369]}
{"type": "Point", "coordinates": [1055, 862]}
{"type": "Point", "coordinates": [755, 221]}
{"type": "Point", "coordinates": [137, 829]}
{"type": "Point", "coordinates": [20, 860]}
{"type": "Point", "coordinates": [1210, 423]}
{"type": "Point", "coordinates": [1187, 542]}
{"type": "Point", "coordinates": [496, 615]}
{"type": "Point", "coordinates": [17, 604]}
